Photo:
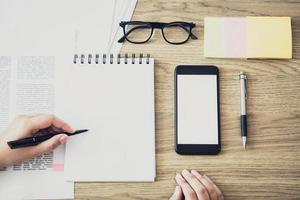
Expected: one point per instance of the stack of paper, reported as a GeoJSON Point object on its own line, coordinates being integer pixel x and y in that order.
{"type": "Point", "coordinates": [248, 37]}
{"type": "Point", "coordinates": [36, 38]}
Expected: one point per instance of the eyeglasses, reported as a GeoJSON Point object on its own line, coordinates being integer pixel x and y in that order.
{"type": "Point", "coordinates": [139, 32]}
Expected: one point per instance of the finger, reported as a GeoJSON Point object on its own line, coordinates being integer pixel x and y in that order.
{"type": "Point", "coordinates": [63, 139]}
{"type": "Point", "coordinates": [188, 192]}
{"type": "Point", "coordinates": [59, 123]}
{"type": "Point", "coordinates": [39, 121]}
{"type": "Point", "coordinates": [177, 195]}
{"type": "Point", "coordinates": [50, 145]}
{"type": "Point", "coordinates": [217, 189]}
{"type": "Point", "coordinates": [213, 193]}
{"type": "Point", "coordinates": [44, 121]}
{"type": "Point", "coordinates": [35, 114]}
{"type": "Point", "coordinates": [197, 186]}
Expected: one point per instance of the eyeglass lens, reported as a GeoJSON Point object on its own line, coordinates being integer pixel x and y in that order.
{"type": "Point", "coordinates": [176, 33]}
{"type": "Point", "coordinates": [139, 32]}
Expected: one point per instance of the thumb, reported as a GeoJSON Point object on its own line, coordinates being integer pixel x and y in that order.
{"type": "Point", "coordinates": [177, 195]}
{"type": "Point", "coordinates": [51, 144]}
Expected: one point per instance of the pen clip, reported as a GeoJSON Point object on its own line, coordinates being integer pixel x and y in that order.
{"type": "Point", "coordinates": [244, 81]}
{"type": "Point", "coordinates": [246, 87]}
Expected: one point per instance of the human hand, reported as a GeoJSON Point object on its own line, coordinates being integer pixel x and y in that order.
{"type": "Point", "coordinates": [26, 126]}
{"type": "Point", "coordinates": [192, 186]}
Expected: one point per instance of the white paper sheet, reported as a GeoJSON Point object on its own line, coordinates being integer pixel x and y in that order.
{"type": "Point", "coordinates": [124, 13]}
{"type": "Point", "coordinates": [36, 37]}
{"type": "Point", "coordinates": [92, 26]}
{"type": "Point", "coordinates": [27, 87]}
{"type": "Point", "coordinates": [119, 10]}
{"type": "Point", "coordinates": [34, 180]}
{"type": "Point", "coordinates": [35, 27]}
{"type": "Point", "coordinates": [116, 103]}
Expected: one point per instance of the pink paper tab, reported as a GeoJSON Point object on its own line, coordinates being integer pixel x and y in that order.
{"type": "Point", "coordinates": [58, 167]}
{"type": "Point", "coordinates": [235, 37]}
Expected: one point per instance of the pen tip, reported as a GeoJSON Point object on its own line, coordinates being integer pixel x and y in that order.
{"type": "Point", "coordinates": [244, 145]}
{"type": "Point", "coordinates": [244, 139]}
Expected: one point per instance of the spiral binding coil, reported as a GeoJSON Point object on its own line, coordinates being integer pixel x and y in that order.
{"type": "Point", "coordinates": [96, 59]}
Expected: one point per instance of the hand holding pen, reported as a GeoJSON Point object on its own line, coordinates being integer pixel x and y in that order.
{"type": "Point", "coordinates": [27, 126]}
{"type": "Point", "coordinates": [41, 136]}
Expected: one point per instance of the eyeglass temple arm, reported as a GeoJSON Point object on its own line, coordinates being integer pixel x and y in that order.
{"type": "Point", "coordinates": [193, 36]}
{"type": "Point", "coordinates": [122, 39]}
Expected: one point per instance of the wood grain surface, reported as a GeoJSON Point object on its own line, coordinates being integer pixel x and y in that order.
{"type": "Point", "coordinates": [270, 167]}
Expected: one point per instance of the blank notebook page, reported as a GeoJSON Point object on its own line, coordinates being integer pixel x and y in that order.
{"type": "Point", "coordinates": [116, 103]}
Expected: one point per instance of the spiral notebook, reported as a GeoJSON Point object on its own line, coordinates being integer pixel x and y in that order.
{"type": "Point", "coordinates": [113, 97]}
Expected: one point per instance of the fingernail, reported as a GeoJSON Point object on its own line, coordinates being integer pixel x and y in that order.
{"type": "Point", "coordinates": [196, 172]}
{"type": "Point", "coordinates": [71, 130]}
{"type": "Point", "coordinates": [68, 128]}
{"type": "Point", "coordinates": [207, 178]}
{"type": "Point", "coordinates": [63, 139]}
{"type": "Point", "coordinates": [185, 172]}
{"type": "Point", "coordinates": [178, 176]}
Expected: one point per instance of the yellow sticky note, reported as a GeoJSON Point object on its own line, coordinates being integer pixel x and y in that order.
{"type": "Point", "coordinates": [269, 37]}
{"type": "Point", "coordinates": [213, 37]}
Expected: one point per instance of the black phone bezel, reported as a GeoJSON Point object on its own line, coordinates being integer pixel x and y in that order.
{"type": "Point", "coordinates": [197, 149]}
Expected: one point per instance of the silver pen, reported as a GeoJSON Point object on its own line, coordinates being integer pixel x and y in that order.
{"type": "Point", "coordinates": [243, 117]}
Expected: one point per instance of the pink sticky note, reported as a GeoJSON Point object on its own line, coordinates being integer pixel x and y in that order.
{"type": "Point", "coordinates": [235, 37]}
{"type": "Point", "coordinates": [58, 167]}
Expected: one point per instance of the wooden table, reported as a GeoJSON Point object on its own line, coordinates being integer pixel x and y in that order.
{"type": "Point", "coordinates": [270, 167]}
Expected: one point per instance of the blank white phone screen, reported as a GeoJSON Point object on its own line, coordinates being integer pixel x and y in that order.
{"type": "Point", "coordinates": [197, 109]}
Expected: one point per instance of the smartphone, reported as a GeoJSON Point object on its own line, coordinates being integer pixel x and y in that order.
{"type": "Point", "coordinates": [197, 110]}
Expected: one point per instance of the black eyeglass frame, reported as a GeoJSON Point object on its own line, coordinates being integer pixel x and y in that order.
{"type": "Point", "coordinates": [157, 25]}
